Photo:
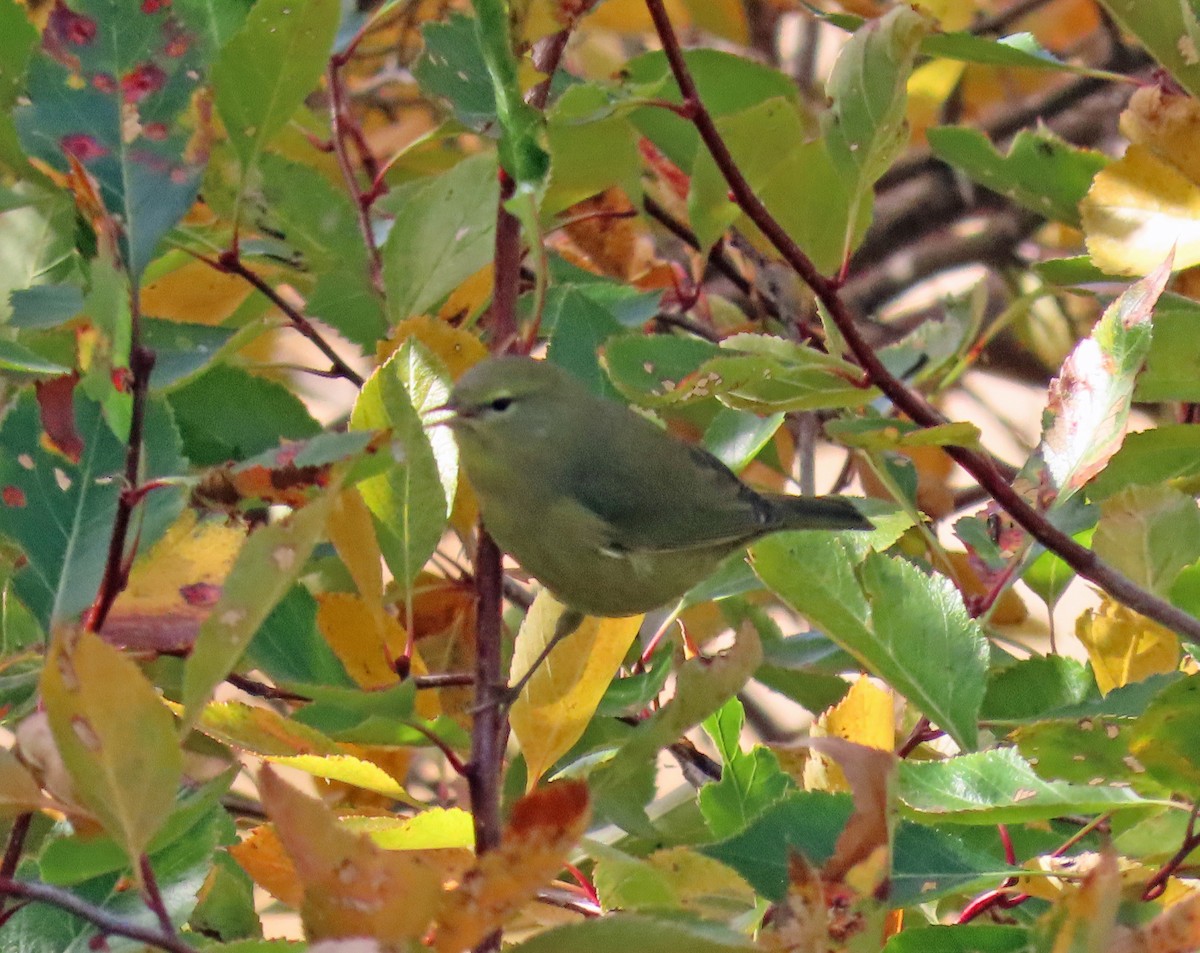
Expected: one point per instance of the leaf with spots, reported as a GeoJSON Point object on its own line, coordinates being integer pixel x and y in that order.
{"type": "Point", "coordinates": [1089, 400]}
{"type": "Point", "coordinates": [350, 887]}
{"type": "Point", "coordinates": [264, 571]}
{"type": "Point", "coordinates": [116, 738]}
{"type": "Point", "coordinates": [119, 90]}
{"type": "Point", "coordinates": [60, 512]}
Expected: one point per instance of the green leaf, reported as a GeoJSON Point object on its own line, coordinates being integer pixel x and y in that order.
{"type": "Point", "coordinates": [908, 628]}
{"type": "Point", "coordinates": [451, 67]}
{"type": "Point", "coordinates": [702, 686]}
{"type": "Point", "coordinates": [114, 88]}
{"type": "Point", "coordinates": [999, 787]}
{"type": "Point", "coordinates": [1048, 575]}
{"type": "Point", "coordinates": [266, 568]}
{"type": "Point", "coordinates": [736, 437]}
{"type": "Point", "coordinates": [1173, 364]}
{"type": "Point", "coordinates": [443, 234]}
{"type": "Point", "coordinates": [1153, 456]}
{"type": "Point", "coordinates": [181, 350]}
{"type": "Point", "coordinates": [225, 909]}
{"type": "Point", "coordinates": [1031, 687]}
{"type": "Point", "coordinates": [268, 68]}
{"type": "Point", "coordinates": [319, 221]}
{"type": "Point", "coordinates": [621, 932]}
{"type": "Point", "coordinates": [119, 746]}
{"type": "Point", "coordinates": [1017, 50]}
{"type": "Point", "coordinates": [44, 306]}
{"type": "Point", "coordinates": [727, 84]}
{"type": "Point", "coordinates": [925, 863]}
{"type": "Point", "coordinates": [521, 154]}
{"type": "Point", "coordinates": [37, 246]}
{"type": "Point", "coordinates": [1149, 533]}
{"type": "Point", "coordinates": [60, 512]}
{"type": "Point", "coordinates": [590, 149]}
{"type": "Point", "coordinates": [750, 780]}
{"type": "Point", "coordinates": [214, 422]}
{"type": "Point", "coordinates": [1088, 751]}
{"type": "Point", "coordinates": [288, 646]}
{"type": "Point", "coordinates": [1166, 738]}
{"type": "Point", "coordinates": [961, 938]}
{"type": "Point", "coordinates": [1040, 171]}
{"type": "Point", "coordinates": [17, 359]}
{"type": "Point", "coordinates": [1170, 32]}
{"type": "Point", "coordinates": [865, 127]}
{"type": "Point", "coordinates": [795, 178]}
{"type": "Point", "coordinates": [411, 501]}
{"type": "Point", "coordinates": [747, 372]}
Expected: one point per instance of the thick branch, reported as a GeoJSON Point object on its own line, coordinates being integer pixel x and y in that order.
{"type": "Point", "coordinates": [980, 466]}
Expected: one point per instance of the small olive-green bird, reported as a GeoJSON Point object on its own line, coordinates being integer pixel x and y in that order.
{"type": "Point", "coordinates": [610, 513]}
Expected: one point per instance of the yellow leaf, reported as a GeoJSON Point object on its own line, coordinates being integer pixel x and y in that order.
{"type": "Point", "coordinates": [173, 587]}
{"type": "Point", "coordinates": [865, 715]}
{"type": "Point", "coordinates": [352, 533]}
{"type": "Point", "coordinates": [559, 700]}
{"type": "Point", "coordinates": [702, 885]}
{"type": "Point", "coordinates": [1137, 210]}
{"type": "Point", "coordinates": [365, 638]}
{"type": "Point", "coordinates": [466, 301]}
{"type": "Point", "coordinates": [544, 827]}
{"type": "Point", "coordinates": [1124, 646]}
{"type": "Point", "coordinates": [349, 770]}
{"type": "Point", "coordinates": [1167, 124]}
{"type": "Point", "coordinates": [116, 738]}
{"type": "Point", "coordinates": [456, 348]}
{"type": "Point", "coordinates": [350, 886]}
{"type": "Point", "coordinates": [195, 292]}
{"type": "Point", "coordinates": [439, 828]}
{"type": "Point", "coordinates": [261, 731]}
{"type": "Point", "coordinates": [724, 18]}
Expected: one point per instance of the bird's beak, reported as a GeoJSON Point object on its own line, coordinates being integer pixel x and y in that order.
{"type": "Point", "coordinates": [444, 415]}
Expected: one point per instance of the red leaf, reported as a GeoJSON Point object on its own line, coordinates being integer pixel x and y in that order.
{"type": "Point", "coordinates": [56, 403]}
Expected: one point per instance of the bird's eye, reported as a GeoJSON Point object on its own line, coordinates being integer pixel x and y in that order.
{"type": "Point", "coordinates": [501, 404]}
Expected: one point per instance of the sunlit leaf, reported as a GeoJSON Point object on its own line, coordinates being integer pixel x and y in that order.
{"type": "Point", "coordinates": [561, 697]}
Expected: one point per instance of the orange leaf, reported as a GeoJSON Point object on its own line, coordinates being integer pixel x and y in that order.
{"type": "Point", "coordinates": [544, 827]}
{"type": "Point", "coordinates": [350, 886]}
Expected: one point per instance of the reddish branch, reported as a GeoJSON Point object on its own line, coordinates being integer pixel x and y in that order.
{"type": "Point", "coordinates": [345, 127]}
{"type": "Point", "coordinates": [980, 466]}
{"type": "Point", "coordinates": [230, 262]}
{"type": "Point", "coordinates": [106, 922]}
{"type": "Point", "coordinates": [117, 563]}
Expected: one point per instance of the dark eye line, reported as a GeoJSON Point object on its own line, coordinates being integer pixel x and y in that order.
{"type": "Point", "coordinates": [501, 403]}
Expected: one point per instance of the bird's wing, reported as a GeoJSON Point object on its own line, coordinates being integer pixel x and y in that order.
{"type": "Point", "coordinates": [682, 498]}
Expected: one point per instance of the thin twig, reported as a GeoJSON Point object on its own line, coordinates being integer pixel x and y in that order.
{"type": "Point", "coordinates": [980, 466]}
{"type": "Point", "coordinates": [108, 923]}
{"type": "Point", "coordinates": [342, 126]}
{"type": "Point", "coordinates": [231, 263]}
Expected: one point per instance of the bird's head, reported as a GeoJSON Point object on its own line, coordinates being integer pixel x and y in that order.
{"type": "Point", "coordinates": [507, 398]}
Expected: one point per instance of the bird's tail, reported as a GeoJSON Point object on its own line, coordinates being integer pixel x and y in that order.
{"type": "Point", "coordinates": [818, 512]}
